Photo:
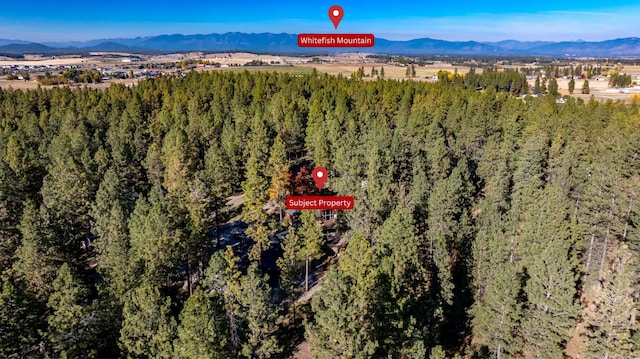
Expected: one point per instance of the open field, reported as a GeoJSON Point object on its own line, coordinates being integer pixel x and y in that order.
{"type": "Point", "coordinates": [282, 69]}
{"type": "Point", "coordinates": [390, 71]}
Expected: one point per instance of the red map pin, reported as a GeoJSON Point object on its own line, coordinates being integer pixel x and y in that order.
{"type": "Point", "coordinates": [335, 14]}
{"type": "Point", "coordinates": [319, 176]}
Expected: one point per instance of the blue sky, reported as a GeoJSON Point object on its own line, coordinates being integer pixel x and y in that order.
{"type": "Point", "coordinates": [558, 20]}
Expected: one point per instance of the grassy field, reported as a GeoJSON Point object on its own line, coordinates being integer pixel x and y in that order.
{"type": "Point", "coordinates": [390, 71]}
{"type": "Point", "coordinates": [282, 69]}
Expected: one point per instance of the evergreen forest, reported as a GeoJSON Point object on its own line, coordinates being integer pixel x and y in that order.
{"type": "Point", "coordinates": [486, 225]}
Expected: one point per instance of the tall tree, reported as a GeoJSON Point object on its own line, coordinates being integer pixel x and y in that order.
{"type": "Point", "coordinates": [546, 249]}
{"type": "Point", "coordinates": [612, 327]}
{"type": "Point", "coordinates": [343, 310]}
{"type": "Point", "coordinates": [536, 87]}
{"type": "Point", "coordinates": [572, 85]}
{"type": "Point", "coordinates": [148, 328]}
{"type": "Point", "coordinates": [20, 320]}
{"type": "Point", "coordinates": [280, 179]}
{"type": "Point", "coordinates": [37, 257]}
{"type": "Point", "coordinates": [154, 238]}
{"type": "Point", "coordinates": [259, 314]}
{"type": "Point", "coordinates": [72, 326]}
{"type": "Point", "coordinates": [553, 87]}
{"type": "Point", "coordinates": [311, 235]}
{"type": "Point", "coordinates": [290, 264]}
{"type": "Point", "coordinates": [496, 318]}
{"type": "Point", "coordinates": [111, 213]}
{"type": "Point", "coordinates": [408, 316]}
{"type": "Point", "coordinates": [217, 176]}
{"type": "Point", "coordinates": [203, 331]}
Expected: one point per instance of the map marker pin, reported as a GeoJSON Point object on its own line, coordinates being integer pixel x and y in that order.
{"type": "Point", "coordinates": [335, 14]}
{"type": "Point", "coordinates": [319, 176]}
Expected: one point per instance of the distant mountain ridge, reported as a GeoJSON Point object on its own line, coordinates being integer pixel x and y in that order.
{"type": "Point", "coordinates": [283, 42]}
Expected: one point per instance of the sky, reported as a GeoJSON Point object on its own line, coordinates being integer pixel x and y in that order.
{"type": "Point", "coordinates": [461, 20]}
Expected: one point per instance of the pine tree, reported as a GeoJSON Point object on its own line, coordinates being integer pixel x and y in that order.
{"type": "Point", "coordinates": [259, 314]}
{"type": "Point", "coordinates": [572, 85]}
{"type": "Point", "coordinates": [407, 316]}
{"type": "Point", "coordinates": [280, 179]}
{"type": "Point", "coordinates": [110, 211]}
{"type": "Point", "coordinates": [496, 317]}
{"type": "Point", "coordinates": [203, 331]}
{"type": "Point", "coordinates": [10, 208]}
{"type": "Point", "coordinates": [550, 288]}
{"type": "Point", "coordinates": [20, 320]}
{"type": "Point", "coordinates": [176, 162]}
{"type": "Point", "coordinates": [316, 139]}
{"type": "Point", "coordinates": [66, 194]}
{"type": "Point", "coordinates": [148, 328]}
{"type": "Point", "coordinates": [154, 238]}
{"type": "Point", "coordinates": [256, 191]}
{"type": "Point", "coordinates": [290, 264]}
{"type": "Point", "coordinates": [37, 258]}
{"type": "Point", "coordinates": [536, 87]}
{"type": "Point", "coordinates": [311, 235]}
{"type": "Point", "coordinates": [259, 232]}
{"type": "Point", "coordinates": [223, 277]}
{"type": "Point", "coordinates": [585, 87]}
{"type": "Point", "coordinates": [449, 225]}
{"type": "Point", "coordinates": [218, 182]}
{"type": "Point", "coordinates": [611, 322]}
{"type": "Point", "coordinates": [72, 325]}
{"type": "Point", "coordinates": [553, 87]}
{"type": "Point", "coordinates": [343, 309]}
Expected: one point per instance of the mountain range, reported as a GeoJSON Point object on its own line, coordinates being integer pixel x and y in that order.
{"type": "Point", "coordinates": [287, 43]}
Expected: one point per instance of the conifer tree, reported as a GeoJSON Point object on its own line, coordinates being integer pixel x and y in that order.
{"type": "Point", "coordinates": [407, 316]}
{"type": "Point", "coordinates": [572, 86]}
{"type": "Point", "coordinates": [536, 87]}
{"type": "Point", "coordinates": [553, 87]}
{"type": "Point", "coordinates": [343, 309]}
{"type": "Point", "coordinates": [223, 277]}
{"type": "Point", "coordinates": [612, 326]}
{"type": "Point", "coordinates": [311, 236]}
{"type": "Point", "coordinates": [20, 320]}
{"type": "Point", "coordinates": [72, 325]}
{"type": "Point", "coordinates": [290, 264]}
{"type": "Point", "coordinates": [110, 211]}
{"type": "Point", "coordinates": [203, 331]}
{"type": "Point", "coordinates": [148, 328]}
{"type": "Point", "coordinates": [585, 87]}
{"type": "Point", "coordinates": [10, 210]}
{"type": "Point", "coordinates": [497, 315]}
{"type": "Point", "coordinates": [546, 250]}
{"type": "Point", "coordinates": [36, 257]}
{"type": "Point", "coordinates": [259, 315]}
{"type": "Point", "coordinates": [154, 238]}
{"type": "Point", "coordinates": [280, 179]}
{"type": "Point", "coordinates": [218, 182]}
